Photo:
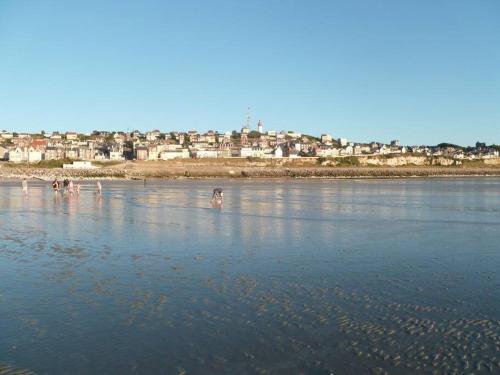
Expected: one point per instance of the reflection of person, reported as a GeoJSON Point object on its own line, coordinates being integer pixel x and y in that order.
{"type": "Point", "coordinates": [25, 186]}
{"type": "Point", "coordinates": [99, 188]}
{"type": "Point", "coordinates": [216, 203]}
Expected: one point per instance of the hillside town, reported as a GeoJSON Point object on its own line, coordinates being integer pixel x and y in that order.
{"type": "Point", "coordinates": [247, 143]}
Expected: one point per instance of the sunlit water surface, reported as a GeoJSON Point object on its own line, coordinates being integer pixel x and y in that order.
{"type": "Point", "coordinates": [287, 277]}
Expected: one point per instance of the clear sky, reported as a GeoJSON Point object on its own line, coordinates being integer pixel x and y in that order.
{"type": "Point", "coordinates": [422, 71]}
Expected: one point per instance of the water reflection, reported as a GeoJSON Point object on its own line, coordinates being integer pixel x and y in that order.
{"type": "Point", "coordinates": [284, 277]}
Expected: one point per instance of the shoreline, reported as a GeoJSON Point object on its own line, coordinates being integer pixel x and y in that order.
{"type": "Point", "coordinates": [194, 171]}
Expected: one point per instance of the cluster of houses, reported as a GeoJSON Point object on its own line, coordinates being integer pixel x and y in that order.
{"type": "Point", "coordinates": [156, 145]}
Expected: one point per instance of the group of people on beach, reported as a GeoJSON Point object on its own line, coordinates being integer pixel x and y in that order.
{"type": "Point", "coordinates": [72, 189]}
{"type": "Point", "coordinates": [68, 187]}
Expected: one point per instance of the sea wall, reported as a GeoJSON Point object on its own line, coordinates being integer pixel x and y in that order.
{"type": "Point", "coordinates": [364, 167]}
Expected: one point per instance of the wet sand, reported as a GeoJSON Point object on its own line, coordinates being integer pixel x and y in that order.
{"type": "Point", "coordinates": [314, 277]}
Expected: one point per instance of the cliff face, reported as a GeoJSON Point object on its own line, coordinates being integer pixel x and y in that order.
{"type": "Point", "coordinates": [404, 160]}
{"type": "Point", "coordinates": [495, 161]}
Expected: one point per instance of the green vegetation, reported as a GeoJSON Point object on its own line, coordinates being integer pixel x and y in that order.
{"type": "Point", "coordinates": [53, 163]}
{"type": "Point", "coordinates": [311, 138]}
{"type": "Point", "coordinates": [108, 163]}
{"type": "Point", "coordinates": [473, 163]}
{"type": "Point", "coordinates": [40, 164]}
{"type": "Point", "coordinates": [253, 159]}
{"type": "Point", "coordinates": [254, 134]}
{"type": "Point", "coordinates": [83, 137]}
{"type": "Point", "coordinates": [449, 145]}
{"type": "Point", "coordinates": [348, 161]}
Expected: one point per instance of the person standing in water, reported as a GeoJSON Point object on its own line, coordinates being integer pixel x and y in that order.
{"type": "Point", "coordinates": [25, 186]}
{"type": "Point", "coordinates": [70, 187]}
{"type": "Point", "coordinates": [55, 185]}
{"type": "Point", "coordinates": [78, 189]}
{"type": "Point", "coordinates": [99, 188]}
{"type": "Point", "coordinates": [65, 184]}
{"type": "Point", "coordinates": [218, 194]}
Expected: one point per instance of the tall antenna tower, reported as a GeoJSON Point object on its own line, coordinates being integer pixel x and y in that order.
{"type": "Point", "coordinates": [248, 117]}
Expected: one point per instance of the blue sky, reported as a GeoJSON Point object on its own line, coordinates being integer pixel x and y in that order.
{"type": "Point", "coordinates": [424, 71]}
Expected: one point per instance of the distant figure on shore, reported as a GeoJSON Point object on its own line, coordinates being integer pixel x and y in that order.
{"type": "Point", "coordinates": [99, 187]}
{"type": "Point", "coordinates": [55, 185]}
{"type": "Point", "coordinates": [25, 186]}
{"type": "Point", "coordinates": [218, 195]}
{"type": "Point", "coordinates": [78, 189]}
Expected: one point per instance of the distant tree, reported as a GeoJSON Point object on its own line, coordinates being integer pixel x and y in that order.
{"type": "Point", "coordinates": [311, 138]}
{"type": "Point", "coordinates": [254, 134]}
{"type": "Point", "coordinates": [449, 145]}
{"type": "Point", "coordinates": [83, 137]}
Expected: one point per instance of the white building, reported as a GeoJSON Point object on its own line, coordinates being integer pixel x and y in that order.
{"type": "Point", "coordinates": [246, 152]}
{"type": "Point", "coordinates": [252, 152]}
{"type": "Point", "coordinates": [207, 153]}
{"type": "Point", "coordinates": [18, 155]}
{"type": "Point", "coordinates": [34, 155]}
{"type": "Point", "coordinates": [328, 152]}
{"type": "Point", "coordinates": [181, 153]}
{"type": "Point", "coordinates": [348, 150]}
{"type": "Point", "coordinates": [70, 136]}
{"type": "Point", "coordinates": [326, 138]}
{"type": "Point", "coordinates": [278, 152]}
{"type": "Point", "coordinates": [153, 135]}
{"type": "Point", "coordinates": [116, 155]}
{"type": "Point", "coordinates": [343, 142]}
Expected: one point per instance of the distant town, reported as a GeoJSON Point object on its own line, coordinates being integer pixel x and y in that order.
{"type": "Point", "coordinates": [246, 143]}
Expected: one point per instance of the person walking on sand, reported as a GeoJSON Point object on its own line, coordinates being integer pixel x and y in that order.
{"type": "Point", "coordinates": [99, 187]}
{"type": "Point", "coordinates": [25, 186]}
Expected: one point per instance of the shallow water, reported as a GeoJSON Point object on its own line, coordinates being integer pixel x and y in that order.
{"type": "Point", "coordinates": [313, 277]}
